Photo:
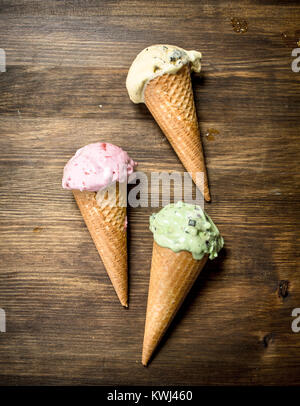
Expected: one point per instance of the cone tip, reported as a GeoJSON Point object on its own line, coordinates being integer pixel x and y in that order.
{"type": "Point", "coordinates": [144, 362]}
{"type": "Point", "coordinates": [123, 298]}
{"type": "Point", "coordinates": [207, 196]}
{"type": "Point", "coordinates": [146, 357]}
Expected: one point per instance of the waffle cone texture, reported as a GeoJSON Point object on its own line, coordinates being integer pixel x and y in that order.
{"type": "Point", "coordinates": [170, 99]}
{"type": "Point", "coordinates": [171, 278]}
{"type": "Point", "coordinates": [108, 231]}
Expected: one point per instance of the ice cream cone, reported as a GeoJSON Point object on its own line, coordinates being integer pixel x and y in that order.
{"type": "Point", "coordinates": [172, 276]}
{"type": "Point", "coordinates": [107, 226]}
{"type": "Point", "coordinates": [170, 99]}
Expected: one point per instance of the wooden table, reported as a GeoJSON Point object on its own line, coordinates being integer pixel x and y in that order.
{"type": "Point", "coordinates": [65, 87]}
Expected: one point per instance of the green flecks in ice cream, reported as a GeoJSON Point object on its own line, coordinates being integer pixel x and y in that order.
{"type": "Point", "coordinates": [186, 227]}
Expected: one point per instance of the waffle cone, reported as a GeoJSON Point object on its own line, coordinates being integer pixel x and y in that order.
{"type": "Point", "coordinates": [170, 100]}
{"type": "Point", "coordinates": [108, 231]}
{"type": "Point", "coordinates": [171, 278]}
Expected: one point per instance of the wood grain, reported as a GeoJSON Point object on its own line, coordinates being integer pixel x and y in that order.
{"type": "Point", "coordinates": [64, 322]}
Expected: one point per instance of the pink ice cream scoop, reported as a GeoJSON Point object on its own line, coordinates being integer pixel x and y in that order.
{"type": "Point", "coordinates": [96, 166]}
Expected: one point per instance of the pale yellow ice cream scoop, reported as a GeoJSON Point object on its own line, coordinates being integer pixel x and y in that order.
{"type": "Point", "coordinates": [157, 60]}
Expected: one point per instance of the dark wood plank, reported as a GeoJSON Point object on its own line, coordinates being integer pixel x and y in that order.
{"type": "Point", "coordinates": [65, 87]}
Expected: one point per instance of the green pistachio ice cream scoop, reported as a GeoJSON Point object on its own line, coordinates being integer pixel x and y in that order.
{"type": "Point", "coordinates": [186, 227]}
